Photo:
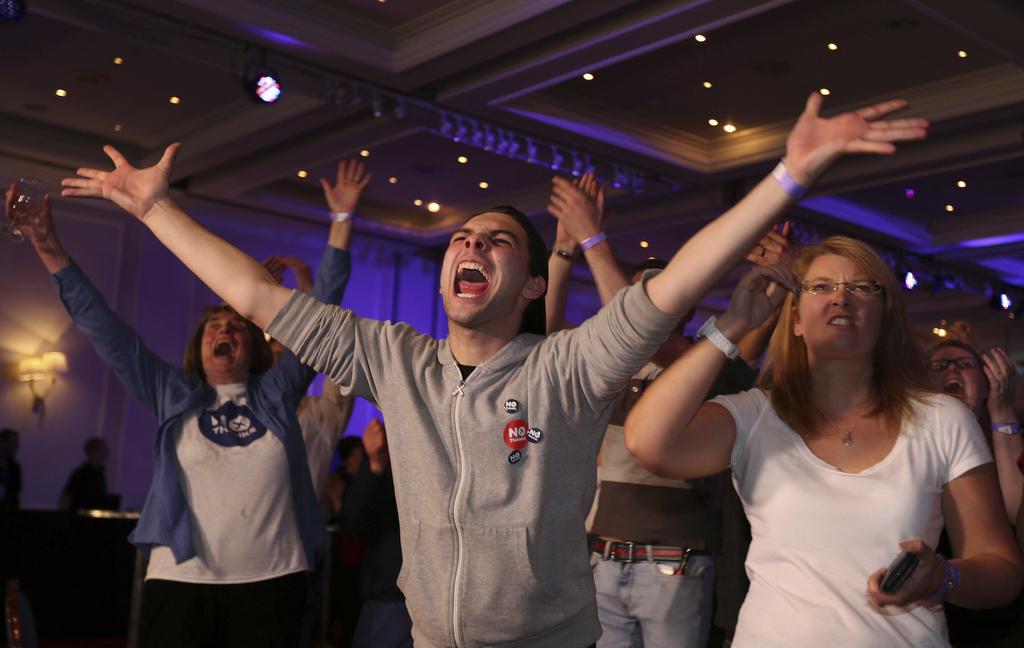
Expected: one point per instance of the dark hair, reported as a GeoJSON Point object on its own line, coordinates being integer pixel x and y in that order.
{"type": "Point", "coordinates": [963, 346]}
{"type": "Point", "coordinates": [650, 264]}
{"type": "Point", "coordinates": [535, 316]}
{"type": "Point", "coordinates": [347, 445]}
{"type": "Point", "coordinates": [261, 356]}
{"type": "Point", "coordinates": [8, 434]}
{"type": "Point", "coordinates": [92, 445]}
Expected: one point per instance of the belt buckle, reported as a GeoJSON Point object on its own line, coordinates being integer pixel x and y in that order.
{"type": "Point", "coordinates": [681, 569]}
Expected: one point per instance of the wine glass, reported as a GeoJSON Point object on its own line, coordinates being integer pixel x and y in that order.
{"type": "Point", "coordinates": [26, 207]}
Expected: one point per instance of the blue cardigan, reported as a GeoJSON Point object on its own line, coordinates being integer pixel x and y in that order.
{"type": "Point", "coordinates": [171, 393]}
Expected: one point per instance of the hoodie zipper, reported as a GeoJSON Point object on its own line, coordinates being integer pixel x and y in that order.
{"type": "Point", "coordinates": [458, 394]}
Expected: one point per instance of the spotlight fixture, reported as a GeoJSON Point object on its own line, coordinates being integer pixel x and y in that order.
{"type": "Point", "coordinates": [832, 47]}
{"type": "Point", "coordinates": [417, 202]}
{"type": "Point", "coordinates": [433, 207]}
{"type": "Point", "coordinates": [118, 128]}
{"type": "Point", "coordinates": [909, 280]}
{"type": "Point", "coordinates": [825, 92]}
{"type": "Point", "coordinates": [460, 131]}
{"type": "Point", "coordinates": [302, 173]}
{"type": "Point", "coordinates": [118, 60]}
{"type": "Point", "coordinates": [577, 164]}
{"type": "Point", "coordinates": [489, 138]}
{"type": "Point", "coordinates": [393, 180]}
{"type": "Point", "coordinates": [462, 159]}
{"type": "Point", "coordinates": [962, 54]}
{"type": "Point", "coordinates": [707, 85]}
{"type": "Point", "coordinates": [712, 122]}
{"type": "Point", "coordinates": [364, 153]}
{"type": "Point", "coordinates": [644, 244]}
{"type": "Point", "coordinates": [949, 208]}
{"type": "Point", "coordinates": [939, 331]}
{"type": "Point", "coordinates": [700, 38]}
{"type": "Point", "coordinates": [61, 92]}
{"type": "Point", "coordinates": [620, 177]}
{"type": "Point", "coordinates": [11, 10]}
{"type": "Point", "coordinates": [587, 76]}
{"type": "Point", "coordinates": [729, 128]}
{"type": "Point", "coordinates": [531, 151]}
{"type": "Point", "coordinates": [1005, 302]}
{"type": "Point", "coordinates": [175, 100]}
{"type": "Point", "coordinates": [260, 82]}
{"type": "Point", "coordinates": [909, 192]}
{"type": "Point", "coordinates": [483, 184]}
{"type": "Point", "coordinates": [961, 184]}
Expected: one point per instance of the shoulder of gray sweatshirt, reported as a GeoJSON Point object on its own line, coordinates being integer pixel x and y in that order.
{"type": "Point", "coordinates": [494, 475]}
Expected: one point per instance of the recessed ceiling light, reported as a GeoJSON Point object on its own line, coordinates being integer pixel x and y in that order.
{"type": "Point", "coordinates": [175, 100]}
{"type": "Point", "coordinates": [949, 208]}
{"type": "Point", "coordinates": [118, 128]}
{"type": "Point", "coordinates": [393, 180]}
{"type": "Point", "coordinates": [61, 92]}
{"type": "Point", "coordinates": [433, 207]}
{"type": "Point", "coordinates": [644, 244]}
{"type": "Point", "coordinates": [118, 60]}
{"type": "Point", "coordinates": [729, 128]}
{"type": "Point", "coordinates": [825, 91]}
{"type": "Point", "coordinates": [364, 153]}
{"type": "Point", "coordinates": [484, 184]}
{"type": "Point", "coordinates": [832, 47]}
{"type": "Point", "coordinates": [462, 159]}
{"type": "Point", "coordinates": [417, 202]}
{"type": "Point", "coordinates": [909, 192]}
{"type": "Point", "coordinates": [712, 122]}
{"type": "Point", "coordinates": [302, 173]}
{"type": "Point", "coordinates": [962, 184]}
{"type": "Point", "coordinates": [962, 54]}
{"type": "Point", "coordinates": [587, 76]}
{"type": "Point", "coordinates": [700, 38]}
{"type": "Point", "coordinates": [707, 84]}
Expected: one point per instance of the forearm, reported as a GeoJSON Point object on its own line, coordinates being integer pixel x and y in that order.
{"type": "Point", "coordinates": [753, 344]}
{"type": "Point", "coordinates": [236, 277]}
{"type": "Point", "coordinates": [559, 273]}
{"type": "Point", "coordinates": [340, 234]}
{"type": "Point", "coordinates": [718, 246]}
{"type": "Point", "coordinates": [52, 254]}
{"type": "Point", "coordinates": [987, 581]}
{"type": "Point", "coordinates": [1007, 448]}
{"type": "Point", "coordinates": [608, 275]}
{"type": "Point", "coordinates": [656, 429]}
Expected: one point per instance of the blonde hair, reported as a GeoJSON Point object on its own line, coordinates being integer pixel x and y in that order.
{"type": "Point", "coordinates": [898, 375]}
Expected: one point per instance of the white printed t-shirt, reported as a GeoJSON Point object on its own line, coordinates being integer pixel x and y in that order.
{"type": "Point", "coordinates": [819, 533]}
{"type": "Point", "coordinates": [235, 476]}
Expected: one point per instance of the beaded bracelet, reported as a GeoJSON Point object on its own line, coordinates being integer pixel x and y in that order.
{"type": "Point", "coordinates": [950, 581]}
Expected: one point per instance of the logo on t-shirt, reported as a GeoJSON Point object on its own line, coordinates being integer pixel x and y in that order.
{"type": "Point", "coordinates": [231, 425]}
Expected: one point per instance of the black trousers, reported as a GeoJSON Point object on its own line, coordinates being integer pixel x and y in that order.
{"type": "Point", "coordinates": [264, 614]}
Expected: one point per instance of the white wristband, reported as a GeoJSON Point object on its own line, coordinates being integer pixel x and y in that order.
{"type": "Point", "coordinates": [710, 331]}
{"type": "Point", "coordinates": [340, 217]}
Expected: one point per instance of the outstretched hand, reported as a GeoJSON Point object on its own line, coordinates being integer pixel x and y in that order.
{"type": "Point", "coordinates": [815, 142]}
{"type": "Point", "coordinates": [352, 178]}
{"type": "Point", "coordinates": [757, 297]}
{"type": "Point", "coordinates": [578, 206]}
{"type": "Point", "coordinates": [774, 248]}
{"type": "Point", "coordinates": [277, 264]}
{"type": "Point", "coordinates": [133, 190]}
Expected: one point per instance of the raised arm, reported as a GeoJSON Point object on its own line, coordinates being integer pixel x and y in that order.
{"type": "Point", "coordinates": [1007, 448]}
{"type": "Point", "coordinates": [236, 277]}
{"type": "Point", "coordinates": [813, 145]}
{"type": "Point", "coordinates": [670, 431]}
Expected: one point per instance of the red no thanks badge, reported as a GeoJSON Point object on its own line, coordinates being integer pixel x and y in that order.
{"type": "Point", "coordinates": [515, 434]}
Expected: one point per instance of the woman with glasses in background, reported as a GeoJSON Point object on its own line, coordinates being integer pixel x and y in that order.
{"type": "Point", "coordinates": [843, 459]}
{"type": "Point", "coordinates": [985, 384]}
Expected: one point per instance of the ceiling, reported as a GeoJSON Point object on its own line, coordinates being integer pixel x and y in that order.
{"type": "Point", "coordinates": [516, 67]}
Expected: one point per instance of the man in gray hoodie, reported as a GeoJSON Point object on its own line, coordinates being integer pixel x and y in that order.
{"type": "Point", "coordinates": [494, 431]}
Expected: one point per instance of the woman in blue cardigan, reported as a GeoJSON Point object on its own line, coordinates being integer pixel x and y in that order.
{"type": "Point", "coordinates": [230, 523]}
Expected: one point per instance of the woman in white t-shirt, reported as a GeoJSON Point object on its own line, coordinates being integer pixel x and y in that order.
{"type": "Point", "coordinates": [847, 460]}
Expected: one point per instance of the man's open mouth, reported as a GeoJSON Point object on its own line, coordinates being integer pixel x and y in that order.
{"type": "Point", "coordinates": [471, 280]}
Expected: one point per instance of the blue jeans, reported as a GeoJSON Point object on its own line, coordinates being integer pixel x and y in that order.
{"type": "Point", "coordinates": [383, 624]}
{"type": "Point", "coordinates": [641, 606]}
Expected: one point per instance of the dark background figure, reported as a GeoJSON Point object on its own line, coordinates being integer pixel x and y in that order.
{"type": "Point", "coordinates": [348, 550]}
{"type": "Point", "coordinates": [87, 485]}
{"type": "Point", "coordinates": [10, 470]}
{"type": "Point", "coordinates": [370, 513]}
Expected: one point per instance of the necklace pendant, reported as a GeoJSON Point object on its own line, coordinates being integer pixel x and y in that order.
{"type": "Point", "coordinates": [848, 440]}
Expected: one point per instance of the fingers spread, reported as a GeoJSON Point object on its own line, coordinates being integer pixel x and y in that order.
{"type": "Point", "coordinates": [115, 156]}
{"type": "Point", "coordinates": [883, 108]}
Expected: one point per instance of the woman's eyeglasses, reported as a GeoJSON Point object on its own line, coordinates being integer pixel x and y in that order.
{"type": "Point", "coordinates": [855, 288]}
{"type": "Point", "coordinates": [961, 363]}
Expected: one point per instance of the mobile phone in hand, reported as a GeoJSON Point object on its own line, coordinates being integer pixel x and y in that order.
{"type": "Point", "coordinates": [899, 571]}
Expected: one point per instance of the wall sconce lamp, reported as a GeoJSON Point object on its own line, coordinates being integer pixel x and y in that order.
{"type": "Point", "coordinates": [41, 375]}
